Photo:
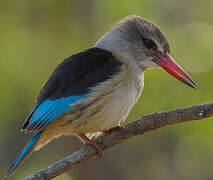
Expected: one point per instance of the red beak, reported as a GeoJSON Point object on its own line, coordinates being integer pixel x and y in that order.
{"type": "Point", "coordinates": [168, 64]}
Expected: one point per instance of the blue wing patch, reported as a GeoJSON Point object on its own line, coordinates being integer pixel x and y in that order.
{"type": "Point", "coordinates": [50, 110]}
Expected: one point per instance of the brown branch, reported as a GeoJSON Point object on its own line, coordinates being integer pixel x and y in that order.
{"type": "Point", "coordinates": [146, 123]}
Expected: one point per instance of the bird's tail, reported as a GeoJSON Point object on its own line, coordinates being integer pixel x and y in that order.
{"type": "Point", "coordinates": [24, 154]}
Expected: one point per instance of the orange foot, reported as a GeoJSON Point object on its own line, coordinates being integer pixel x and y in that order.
{"type": "Point", "coordinates": [93, 143]}
{"type": "Point", "coordinates": [120, 128]}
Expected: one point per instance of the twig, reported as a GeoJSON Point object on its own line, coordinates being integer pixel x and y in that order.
{"type": "Point", "coordinates": [146, 123]}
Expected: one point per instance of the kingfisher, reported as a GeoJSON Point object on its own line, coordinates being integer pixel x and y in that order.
{"type": "Point", "coordinates": [93, 91]}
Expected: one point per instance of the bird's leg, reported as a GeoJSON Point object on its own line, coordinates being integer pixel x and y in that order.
{"type": "Point", "coordinates": [93, 143]}
{"type": "Point", "coordinates": [120, 128]}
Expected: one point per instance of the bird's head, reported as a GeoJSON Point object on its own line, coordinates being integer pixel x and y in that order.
{"type": "Point", "coordinates": [142, 42]}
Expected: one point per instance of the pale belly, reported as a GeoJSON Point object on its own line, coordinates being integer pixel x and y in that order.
{"type": "Point", "coordinates": [96, 118]}
{"type": "Point", "coordinates": [105, 112]}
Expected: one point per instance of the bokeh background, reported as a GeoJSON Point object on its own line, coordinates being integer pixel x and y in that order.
{"type": "Point", "coordinates": [37, 35]}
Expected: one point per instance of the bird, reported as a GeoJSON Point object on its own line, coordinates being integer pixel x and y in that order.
{"type": "Point", "coordinates": [93, 91]}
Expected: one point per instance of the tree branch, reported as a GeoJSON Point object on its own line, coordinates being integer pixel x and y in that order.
{"type": "Point", "coordinates": [146, 123]}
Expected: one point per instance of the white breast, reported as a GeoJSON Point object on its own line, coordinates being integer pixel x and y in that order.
{"type": "Point", "coordinates": [121, 103]}
{"type": "Point", "coordinates": [110, 103]}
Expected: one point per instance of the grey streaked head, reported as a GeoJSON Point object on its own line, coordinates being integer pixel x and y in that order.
{"type": "Point", "coordinates": [133, 37]}
{"type": "Point", "coordinates": [144, 33]}
{"type": "Point", "coordinates": [143, 45]}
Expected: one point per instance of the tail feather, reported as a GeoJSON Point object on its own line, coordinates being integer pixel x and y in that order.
{"type": "Point", "coordinates": [24, 154]}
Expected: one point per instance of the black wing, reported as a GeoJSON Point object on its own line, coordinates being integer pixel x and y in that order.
{"type": "Point", "coordinates": [70, 81]}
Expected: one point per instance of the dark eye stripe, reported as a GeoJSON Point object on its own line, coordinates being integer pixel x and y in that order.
{"type": "Point", "coordinates": [149, 44]}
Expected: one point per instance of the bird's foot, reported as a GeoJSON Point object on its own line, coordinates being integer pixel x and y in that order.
{"type": "Point", "coordinates": [93, 143]}
{"type": "Point", "coordinates": [120, 128]}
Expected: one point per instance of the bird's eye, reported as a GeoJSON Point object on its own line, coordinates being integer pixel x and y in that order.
{"type": "Point", "coordinates": [149, 44]}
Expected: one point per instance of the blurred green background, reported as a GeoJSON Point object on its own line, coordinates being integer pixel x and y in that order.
{"type": "Point", "coordinates": [37, 35]}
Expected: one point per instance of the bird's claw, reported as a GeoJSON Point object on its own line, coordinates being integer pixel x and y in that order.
{"type": "Point", "coordinates": [96, 146]}
{"type": "Point", "coordinates": [92, 143]}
